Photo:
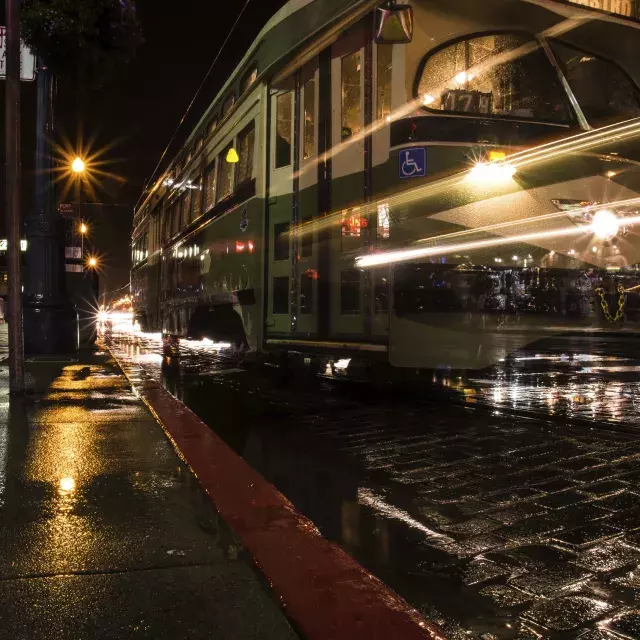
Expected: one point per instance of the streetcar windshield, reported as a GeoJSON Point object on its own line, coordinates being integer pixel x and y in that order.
{"type": "Point", "coordinates": [604, 91]}
{"type": "Point", "coordinates": [503, 75]}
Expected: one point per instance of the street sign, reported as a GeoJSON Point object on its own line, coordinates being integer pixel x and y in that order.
{"type": "Point", "coordinates": [413, 162]}
{"type": "Point", "coordinates": [27, 59]}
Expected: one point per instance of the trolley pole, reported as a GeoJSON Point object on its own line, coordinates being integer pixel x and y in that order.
{"type": "Point", "coordinates": [13, 170]}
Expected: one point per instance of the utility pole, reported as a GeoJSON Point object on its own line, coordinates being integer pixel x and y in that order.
{"type": "Point", "coordinates": [13, 171]}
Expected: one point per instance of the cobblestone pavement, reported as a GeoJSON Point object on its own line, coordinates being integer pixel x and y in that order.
{"type": "Point", "coordinates": [493, 525]}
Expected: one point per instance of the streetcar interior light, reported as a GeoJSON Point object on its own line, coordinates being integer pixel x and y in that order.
{"type": "Point", "coordinates": [496, 156]}
{"type": "Point", "coordinates": [605, 224]}
{"type": "Point", "coordinates": [491, 173]}
{"type": "Point", "coordinates": [232, 156]}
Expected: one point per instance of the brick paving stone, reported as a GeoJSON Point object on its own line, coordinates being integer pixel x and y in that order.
{"type": "Point", "coordinates": [465, 548]}
{"type": "Point", "coordinates": [554, 486]}
{"type": "Point", "coordinates": [567, 613]}
{"type": "Point", "coordinates": [517, 512]}
{"type": "Point", "coordinates": [471, 527]}
{"type": "Point", "coordinates": [561, 499]}
{"type": "Point", "coordinates": [588, 535]}
{"type": "Point", "coordinates": [552, 580]}
{"type": "Point", "coordinates": [626, 624]}
{"type": "Point", "coordinates": [610, 556]}
{"type": "Point", "coordinates": [513, 495]}
{"type": "Point", "coordinates": [630, 580]}
{"type": "Point", "coordinates": [602, 489]}
{"type": "Point", "coordinates": [506, 597]}
{"type": "Point", "coordinates": [627, 520]}
{"type": "Point", "coordinates": [594, 475]}
{"type": "Point", "coordinates": [540, 556]}
{"type": "Point", "coordinates": [581, 513]}
{"type": "Point", "coordinates": [632, 477]}
{"type": "Point", "coordinates": [530, 529]}
{"type": "Point", "coordinates": [625, 500]}
{"type": "Point", "coordinates": [482, 570]}
{"type": "Point", "coordinates": [580, 463]}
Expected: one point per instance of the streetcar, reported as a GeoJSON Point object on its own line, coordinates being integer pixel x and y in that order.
{"type": "Point", "coordinates": [437, 183]}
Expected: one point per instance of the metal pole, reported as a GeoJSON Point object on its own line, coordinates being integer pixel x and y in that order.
{"type": "Point", "coordinates": [13, 170]}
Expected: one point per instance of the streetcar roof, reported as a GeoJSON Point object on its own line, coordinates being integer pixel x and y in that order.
{"type": "Point", "coordinates": [300, 21]}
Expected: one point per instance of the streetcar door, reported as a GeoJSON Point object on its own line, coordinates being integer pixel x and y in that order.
{"type": "Point", "coordinates": [349, 231]}
{"type": "Point", "coordinates": [278, 311]}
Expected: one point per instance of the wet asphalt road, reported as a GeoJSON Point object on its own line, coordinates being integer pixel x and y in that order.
{"type": "Point", "coordinates": [492, 524]}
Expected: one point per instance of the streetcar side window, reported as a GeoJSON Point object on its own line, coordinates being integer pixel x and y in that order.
{"type": "Point", "coordinates": [186, 206]}
{"type": "Point", "coordinates": [213, 125]}
{"type": "Point", "coordinates": [284, 129]}
{"type": "Point", "coordinates": [248, 79]}
{"type": "Point", "coordinates": [246, 144]}
{"type": "Point", "coordinates": [383, 76]}
{"type": "Point", "coordinates": [351, 91]}
{"type": "Point", "coordinates": [196, 197]}
{"type": "Point", "coordinates": [603, 90]}
{"type": "Point", "coordinates": [281, 241]}
{"type": "Point", "coordinates": [306, 293]}
{"type": "Point", "coordinates": [281, 294]}
{"type": "Point", "coordinates": [225, 174]}
{"type": "Point", "coordinates": [227, 104]}
{"type": "Point", "coordinates": [210, 181]}
{"type": "Point", "coordinates": [309, 119]}
{"type": "Point", "coordinates": [350, 292]}
{"type": "Point", "coordinates": [500, 75]}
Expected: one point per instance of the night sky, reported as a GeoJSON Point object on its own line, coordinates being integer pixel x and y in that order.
{"type": "Point", "coordinates": [136, 112]}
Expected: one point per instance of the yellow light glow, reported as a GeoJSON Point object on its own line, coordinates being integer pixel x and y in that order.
{"type": "Point", "coordinates": [232, 156]}
{"type": "Point", "coordinates": [485, 174]}
{"type": "Point", "coordinates": [611, 174]}
{"type": "Point", "coordinates": [67, 485]}
{"type": "Point", "coordinates": [427, 99]}
{"type": "Point", "coordinates": [92, 262]}
{"type": "Point", "coordinates": [605, 224]}
{"type": "Point", "coordinates": [83, 228]}
{"type": "Point", "coordinates": [496, 156]}
{"type": "Point", "coordinates": [78, 165]}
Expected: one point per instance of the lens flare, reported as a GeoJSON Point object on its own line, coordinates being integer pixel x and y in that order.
{"type": "Point", "coordinates": [605, 224]}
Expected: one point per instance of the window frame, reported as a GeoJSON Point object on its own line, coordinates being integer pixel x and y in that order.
{"type": "Point", "coordinates": [250, 127]}
{"type": "Point", "coordinates": [291, 95]}
{"type": "Point", "coordinates": [554, 68]}
{"type": "Point", "coordinates": [561, 67]}
{"type": "Point", "coordinates": [222, 162]}
{"type": "Point", "coordinates": [227, 105]}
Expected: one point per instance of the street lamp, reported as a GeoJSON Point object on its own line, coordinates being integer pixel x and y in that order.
{"type": "Point", "coordinates": [92, 262]}
{"type": "Point", "coordinates": [78, 166]}
{"type": "Point", "coordinates": [84, 229]}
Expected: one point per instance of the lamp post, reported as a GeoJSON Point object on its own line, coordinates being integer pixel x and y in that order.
{"type": "Point", "coordinates": [84, 229]}
{"type": "Point", "coordinates": [50, 319]}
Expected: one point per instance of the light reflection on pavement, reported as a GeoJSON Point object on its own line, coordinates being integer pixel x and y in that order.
{"type": "Point", "coordinates": [492, 525]}
{"type": "Point", "coordinates": [595, 380]}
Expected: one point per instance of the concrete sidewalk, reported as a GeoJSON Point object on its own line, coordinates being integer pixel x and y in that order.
{"type": "Point", "coordinates": [104, 533]}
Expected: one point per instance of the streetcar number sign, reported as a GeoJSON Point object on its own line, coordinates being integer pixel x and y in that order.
{"type": "Point", "coordinates": [27, 59]}
{"type": "Point", "coordinates": [413, 162]}
{"type": "Point", "coordinates": [621, 7]}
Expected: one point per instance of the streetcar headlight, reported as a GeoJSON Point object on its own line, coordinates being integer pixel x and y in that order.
{"type": "Point", "coordinates": [487, 174]}
{"type": "Point", "coordinates": [605, 224]}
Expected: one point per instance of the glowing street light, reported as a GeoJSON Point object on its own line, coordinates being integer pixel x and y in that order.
{"type": "Point", "coordinates": [78, 166]}
{"type": "Point", "coordinates": [605, 224]}
{"type": "Point", "coordinates": [83, 228]}
{"type": "Point", "coordinates": [92, 262]}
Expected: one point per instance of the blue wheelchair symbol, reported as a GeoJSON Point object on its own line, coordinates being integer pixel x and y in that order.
{"type": "Point", "coordinates": [413, 163]}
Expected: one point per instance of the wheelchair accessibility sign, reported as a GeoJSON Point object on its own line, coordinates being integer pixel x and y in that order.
{"type": "Point", "coordinates": [413, 162]}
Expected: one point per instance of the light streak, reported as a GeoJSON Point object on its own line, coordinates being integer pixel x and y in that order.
{"type": "Point", "coordinates": [366, 496]}
{"type": "Point", "coordinates": [403, 255]}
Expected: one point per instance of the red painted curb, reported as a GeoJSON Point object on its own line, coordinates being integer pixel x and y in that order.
{"type": "Point", "coordinates": [323, 590]}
